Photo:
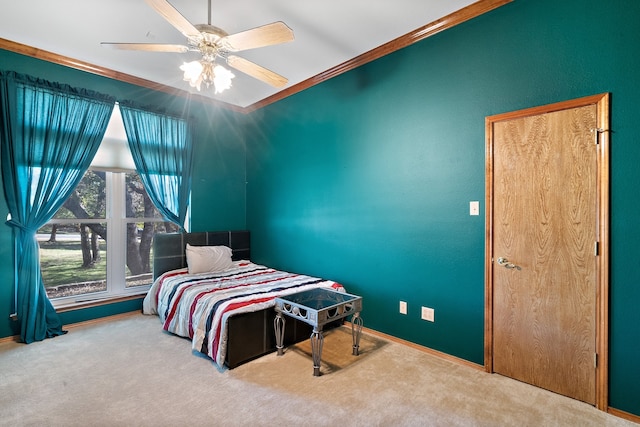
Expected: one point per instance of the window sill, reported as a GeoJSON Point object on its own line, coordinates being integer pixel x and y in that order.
{"type": "Point", "coordinates": [88, 301]}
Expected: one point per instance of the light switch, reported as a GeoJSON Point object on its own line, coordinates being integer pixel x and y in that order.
{"type": "Point", "coordinates": [474, 208]}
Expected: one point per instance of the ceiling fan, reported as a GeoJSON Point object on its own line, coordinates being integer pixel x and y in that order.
{"type": "Point", "coordinates": [213, 43]}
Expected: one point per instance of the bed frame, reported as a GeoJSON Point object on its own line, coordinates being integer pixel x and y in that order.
{"type": "Point", "coordinates": [250, 335]}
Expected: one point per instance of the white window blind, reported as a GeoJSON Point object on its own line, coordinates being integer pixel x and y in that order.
{"type": "Point", "coordinates": [114, 153]}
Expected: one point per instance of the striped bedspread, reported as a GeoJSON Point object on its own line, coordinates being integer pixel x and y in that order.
{"type": "Point", "coordinates": [198, 306]}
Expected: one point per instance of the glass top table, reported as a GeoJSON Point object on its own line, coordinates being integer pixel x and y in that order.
{"type": "Point", "coordinates": [317, 307]}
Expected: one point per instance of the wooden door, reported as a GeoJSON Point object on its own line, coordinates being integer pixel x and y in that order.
{"type": "Point", "coordinates": [545, 198]}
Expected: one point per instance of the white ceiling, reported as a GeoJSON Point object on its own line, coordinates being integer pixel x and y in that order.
{"type": "Point", "coordinates": [327, 33]}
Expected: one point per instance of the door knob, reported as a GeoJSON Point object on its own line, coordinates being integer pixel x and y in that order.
{"type": "Point", "coordinates": [505, 262]}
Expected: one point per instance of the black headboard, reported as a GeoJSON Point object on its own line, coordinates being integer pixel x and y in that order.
{"type": "Point", "coordinates": [169, 248]}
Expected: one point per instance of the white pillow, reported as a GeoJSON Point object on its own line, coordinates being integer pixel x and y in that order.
{"type": "Point", "coordinates": [208, 259]}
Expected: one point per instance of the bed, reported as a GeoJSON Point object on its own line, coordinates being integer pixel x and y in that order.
{"type": "Point", "coordinates": [226, 313]}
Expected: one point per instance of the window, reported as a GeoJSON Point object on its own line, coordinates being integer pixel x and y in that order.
{"type": "Point", "coordinates": [99, 243]}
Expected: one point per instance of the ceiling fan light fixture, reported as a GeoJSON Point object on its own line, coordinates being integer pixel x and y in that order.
{"type": "Point", "coordinates": [222, 78]}
{"type": "Point", "coordinates": [207, 72]}
{"type": "Point", "coordinates": [193, 73]}
{"type": "Point", "coordinates": [212, 42]}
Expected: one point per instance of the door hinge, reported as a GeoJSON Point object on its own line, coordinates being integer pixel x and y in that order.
{"type": "Point", "coordinates": [596, 248]}
{"type": "Point", "coordinates": [597, 133]}
{"type": "Point", "coordinates": [595, 360]}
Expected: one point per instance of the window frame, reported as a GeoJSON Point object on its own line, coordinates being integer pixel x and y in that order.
{"type": "Point", "coordinates": [116, 222]}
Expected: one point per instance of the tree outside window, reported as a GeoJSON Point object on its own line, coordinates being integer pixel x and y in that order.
{"type": "Point", "coordinates": [100, 240]}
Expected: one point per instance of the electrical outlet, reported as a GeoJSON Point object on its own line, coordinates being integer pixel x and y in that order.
{"type": "Point", "coordinates": [428, 314]}
{"type": "Point", "coordinates": [403, 307]}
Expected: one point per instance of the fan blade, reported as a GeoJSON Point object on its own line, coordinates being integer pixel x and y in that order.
{"type": "Point", "coordinates": [266, 35]}
{"type": "Point", "coordinates": [174, 17]}
{"type": "Point", "coordinates": [256, 71]}
{"type": "Point", "coordinates": [151, 47]}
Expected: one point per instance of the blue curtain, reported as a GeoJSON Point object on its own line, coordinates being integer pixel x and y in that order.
{"type": "Point", "coordinates": [162, 150]}
{"type": "Point", "coordinates": [49, 134]}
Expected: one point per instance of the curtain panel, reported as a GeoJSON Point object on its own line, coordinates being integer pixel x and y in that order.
{"type": "Point", "coordinates": [49, 133]}
{"type": "Point", "coordinates": [162, 150]}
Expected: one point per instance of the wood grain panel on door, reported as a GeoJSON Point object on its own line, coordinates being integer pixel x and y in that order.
{"type": "Point", "coordinates": [545, 228]}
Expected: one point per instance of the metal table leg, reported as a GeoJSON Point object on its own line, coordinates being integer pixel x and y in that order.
{"type": "Point", "coordinates": [356, 331]}
{"type": "Point", "coordinates": [317, 340]}
{"type": "Point", "coordinates": [278, 325]}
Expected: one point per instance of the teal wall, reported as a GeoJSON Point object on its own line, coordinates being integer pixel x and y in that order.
{"type": "Point", "coordinates": [219, 171]}
{"type": "Point", "coordinates": [218, 194]}
{"type": "Point", "coordinates": [366, 178]}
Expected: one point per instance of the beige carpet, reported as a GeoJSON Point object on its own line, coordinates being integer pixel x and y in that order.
{"type": "Point", "coordinates": [127, 372]}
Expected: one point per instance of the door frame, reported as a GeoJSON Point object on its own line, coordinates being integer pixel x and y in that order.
{"type": "Point", "coordinates": [601, 138]}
